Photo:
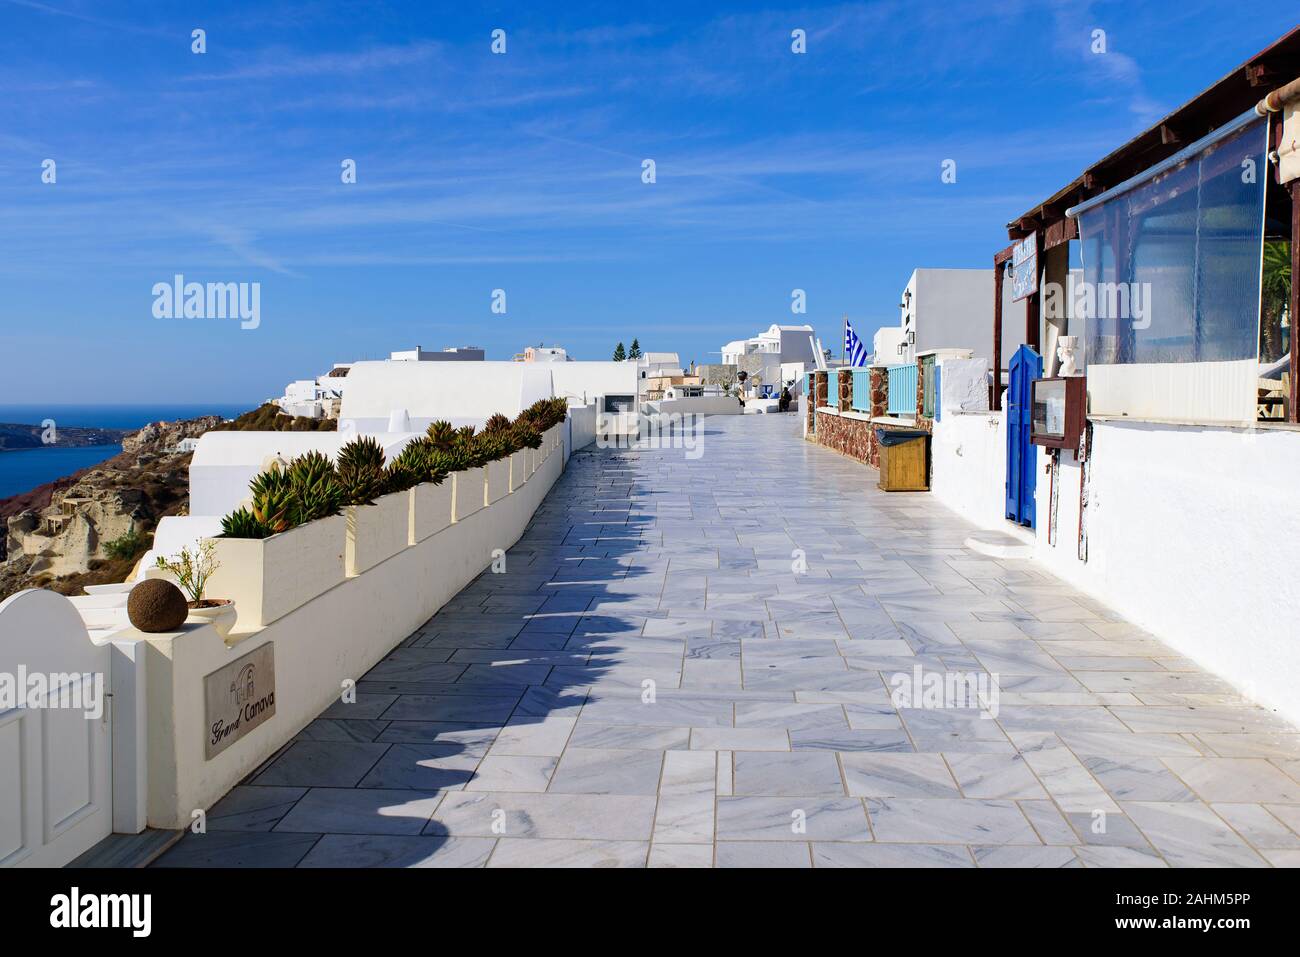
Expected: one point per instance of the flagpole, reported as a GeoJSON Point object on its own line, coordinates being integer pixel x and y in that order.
{"type": "Point", "coordinates": [844, 339]}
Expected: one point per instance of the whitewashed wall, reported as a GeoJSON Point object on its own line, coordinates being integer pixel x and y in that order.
{"type": "Point", "coordinates": [225, 462]}
{"type": "Point", "coordinates": [581, 428]}
{"type": "Point", "coordinates": [67, 779]}
{"type": "Point", "coordinates": [586, 381]}
{"type": "Point", "coordinates": [1192, 535]}
{"type": "Point", "coordinates": [463, 393]}
{"type": "Point", "coordinates": [968, 455]}
{"type": "Point", "coordinates": [336, 636]}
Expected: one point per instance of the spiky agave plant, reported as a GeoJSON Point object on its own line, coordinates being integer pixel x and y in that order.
{"type": "Point", "coordinates": [441, 435]}
{"type": "Point", "coordinates": [452, 460]}
{"type": "Point", "coordinates": [275, 507]}
{"type": "Point", "coordinates": [487, 446]}
{"type": "Point", "coordinates": [244, 524]}
{"type": "Point", "coordinates": [274, 503]}
{"type": "Point", "coordinates": [496, 423]}
{"type": "Point", "coordinates": [360, 470]}
{"type": "Point", "coordinates": [410, 468]}
{"type": "Point", "coordinates": [314, 481]}
{"type": "Point", "coordinates": [526, 435]}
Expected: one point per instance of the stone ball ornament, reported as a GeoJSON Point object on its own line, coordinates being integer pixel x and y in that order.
{"type": "Point", "coordinates": [155, 606]}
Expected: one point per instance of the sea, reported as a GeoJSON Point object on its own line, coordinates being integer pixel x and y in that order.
{"type": "Point", "coordinates": [23, 470]}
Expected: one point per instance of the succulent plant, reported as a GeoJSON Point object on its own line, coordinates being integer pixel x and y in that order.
{"type": "Point", "coordinates": [451, 460]}
{"type": "Point", "coordinates": [409, 468]}
{"type": "Point", "coordinates": [493, 445]}
{"type": "Point", "coordinates": [312, 487]}
{"type": "Point", "coordinates": [526, 435]}
{"type": "Point", "coordinates": [275, 508]}
{"type": "Point", "coordinates": [441, 434]}
{"type": "Point", "coordinates": [315, 486]}
{"type": "Point", "coordinates": [244, 524]}
{"type": "Point", "coordinates": [274, 479]}
{"type": "Point", "coordinates": [545, 413]}
{"type": "Point", "coordinates": [360, 469]}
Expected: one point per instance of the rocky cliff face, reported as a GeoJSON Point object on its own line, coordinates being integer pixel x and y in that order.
{"type": "Point", "coordinates": [94, 525]}
{"type": "Point", "coordinates": [161, 437]}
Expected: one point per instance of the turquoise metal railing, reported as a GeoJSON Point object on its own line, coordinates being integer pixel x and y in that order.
{"type": "Point", "coordinates": [861, 390]}
{"type": "Point", "coordinates": [902, 390]}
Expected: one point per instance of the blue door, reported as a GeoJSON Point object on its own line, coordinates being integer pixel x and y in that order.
{"type": "Point", "coordinates": [1022, 457]}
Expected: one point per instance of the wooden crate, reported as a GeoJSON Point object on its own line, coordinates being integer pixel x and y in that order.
{"type": "Point", "coordinates": [903, 467]}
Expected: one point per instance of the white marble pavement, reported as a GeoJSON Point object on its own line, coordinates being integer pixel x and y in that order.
{"type": "Point", "coordinates": [687, 662]}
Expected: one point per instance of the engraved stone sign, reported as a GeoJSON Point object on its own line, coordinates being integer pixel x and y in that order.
{"type": "Point", "coordinates": [237, 698]}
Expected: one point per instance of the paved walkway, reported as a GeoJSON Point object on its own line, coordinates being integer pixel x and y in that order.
{"type": "Point", "coordinates": [650, 682]}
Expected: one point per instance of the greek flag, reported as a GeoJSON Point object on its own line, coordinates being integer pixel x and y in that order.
{"type": "Point", "coordinates": [854, 349]}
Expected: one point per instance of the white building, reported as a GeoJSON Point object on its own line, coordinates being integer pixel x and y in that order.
{"type": "Point", "coordinates": [653, 367]}
{"type": "Point", "coordinates": [451, 354]}
{"type": "Point", "coordinates": [654, 364]}
{"type": "Point", "coordinates": [541, 353]}
{"type": "Point", "coordinates": [315, 398]}
{"type": "Point", "coordinates": [781, 354]}
{"type": "Point", "coordinates": [887, 345]}
{"type": "Point", "coordinates": [950, 309]}
{"type": "Point", "coordinates": [783, 343]}
{"type": "Point", "coordinates": [467, 394]}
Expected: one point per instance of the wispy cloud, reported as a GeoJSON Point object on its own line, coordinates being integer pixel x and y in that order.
{"type": "Point", "coordinates": [282, 63]}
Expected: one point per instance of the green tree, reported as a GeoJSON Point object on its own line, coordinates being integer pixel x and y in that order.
{"type": "Point", "coordinates": [635, 351]}
{"type": "Point", "coordinates": [619, 354]}
{"type": "Point", "coordinates": [1276, 295]}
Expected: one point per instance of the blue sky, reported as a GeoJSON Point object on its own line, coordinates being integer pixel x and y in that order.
{"type": "Point", "coordinates": [522, 171]}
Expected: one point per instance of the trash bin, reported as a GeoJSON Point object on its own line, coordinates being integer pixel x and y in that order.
{"type": "Point", "coordinates": [904, 459]}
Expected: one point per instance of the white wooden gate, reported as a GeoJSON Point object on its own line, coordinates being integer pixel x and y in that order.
{"type": "Point", "coordinates": [56, 785]}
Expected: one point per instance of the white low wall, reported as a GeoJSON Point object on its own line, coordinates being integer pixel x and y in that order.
{"type": "Point", "coordinates": [335, 637]}
{"type": "Point", "coordinates": [1191, 535]}
{"type": "Point", "coordinates": [697, 405]}
{"type": "Point", "coordinates": [581, 430]}
{"type": "Point", "coordinates": [968, 452]}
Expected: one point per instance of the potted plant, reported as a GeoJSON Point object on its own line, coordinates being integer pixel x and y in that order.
{"type": "Point", "coordinates": [469, 479]}
{"type": "Point", "coordinates": [527, 440]}
{"type": "Point", "coordinates": [287, 546]}
{"type": "Point", "coordinates": [421, 471]}
{"type": "Point", "coordinates": [192, 569]}
{"type": "Point", "coordinates": [378, 516]}
{"type": "Point", "coordinates": [495, 447]}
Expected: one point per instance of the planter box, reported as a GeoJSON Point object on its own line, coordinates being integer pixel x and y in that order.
{"type": "Point", "coordinates": [497, 485]}
{"type": "Point", "coordinates": [518, 469]}
{"type": "Point", "coordinates": [467, 493]}
{"type": "Point", "coordinates": [268, 578]}
{"type": "Point", "coordinates": [552, 438]}
{"type": "Point", "coordinates": [377, 532]}
{"type": "Point", "coordinates": [430, 509]}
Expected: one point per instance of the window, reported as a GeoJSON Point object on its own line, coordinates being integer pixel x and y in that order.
{"type": "Point", "coordinates": [1171, 266]}
{"type": "Point", "coordinates": [1170, 297]}
{"type": "Point", "coordinates": [619, 403]}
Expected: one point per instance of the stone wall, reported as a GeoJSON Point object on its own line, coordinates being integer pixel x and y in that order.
{"type": "Point", "coordinates": [717, 373]}
{"type": "Point", "coordinates": [851, 437]}
{"type": "Point", "coordinates": [922, 422]}
{"type": "Point", "coordinates": [845, 390]}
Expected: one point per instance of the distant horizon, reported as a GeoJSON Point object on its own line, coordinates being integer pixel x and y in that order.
{"type": "Point", "coordinates": [371, 179]}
